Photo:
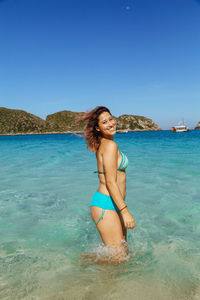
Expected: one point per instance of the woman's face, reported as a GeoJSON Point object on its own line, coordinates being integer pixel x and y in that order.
{"type": "Point", "coordinates": [107, 125]}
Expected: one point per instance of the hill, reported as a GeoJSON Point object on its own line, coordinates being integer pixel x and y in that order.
{"type": "Point", "coordinates": [136, 123]}
{"type": "Point", "coordinates": [14, 121]}
{"type": "Point", "coordinates": [64, 121]}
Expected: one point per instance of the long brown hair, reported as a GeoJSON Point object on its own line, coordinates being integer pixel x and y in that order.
{"type": "Point", "coordinates": [92, 136]}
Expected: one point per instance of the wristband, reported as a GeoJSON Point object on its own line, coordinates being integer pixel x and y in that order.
{"type": "Point", "coordinates": [123, 208]}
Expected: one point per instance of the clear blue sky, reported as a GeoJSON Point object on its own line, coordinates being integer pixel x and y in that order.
{"type": "Point", "coordinates": [138, 57]}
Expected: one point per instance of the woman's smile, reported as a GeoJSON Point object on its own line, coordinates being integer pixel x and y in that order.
{"type": "Point", "coordinates": [107, 123]}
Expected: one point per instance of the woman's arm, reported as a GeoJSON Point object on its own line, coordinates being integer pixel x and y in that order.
{"type": "Point", "coordinates": [110, 158]}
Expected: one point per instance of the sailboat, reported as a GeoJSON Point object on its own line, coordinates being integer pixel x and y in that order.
{"type": "Point", "coordinates": [181, 127]}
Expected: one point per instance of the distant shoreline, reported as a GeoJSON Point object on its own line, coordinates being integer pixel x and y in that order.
{"type": "Point", "coordinates": [39, 133]}
{"type": "Point", "coordinates": [66, 132]}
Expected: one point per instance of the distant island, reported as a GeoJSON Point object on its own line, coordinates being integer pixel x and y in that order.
{"type": "Point", "coordinates": [15, 121]}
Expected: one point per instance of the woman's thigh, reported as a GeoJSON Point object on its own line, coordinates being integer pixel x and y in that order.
{"type": "Point", "coordinates": [109, 227]}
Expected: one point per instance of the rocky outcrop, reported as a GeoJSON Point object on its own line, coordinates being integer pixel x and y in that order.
{"type": "Point", "coordinates": [14, 121]}
{"type": "Point", "coordinates": [198, 126]}
{"type": "Point", "coordinates": [136, 123]}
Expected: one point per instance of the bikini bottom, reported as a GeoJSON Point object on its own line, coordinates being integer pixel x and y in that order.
{"type": "Point", "coordinates": [103, 201]}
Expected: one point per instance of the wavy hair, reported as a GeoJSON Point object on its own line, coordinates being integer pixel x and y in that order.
{"type": "Point", "coordinates": [92, 136]}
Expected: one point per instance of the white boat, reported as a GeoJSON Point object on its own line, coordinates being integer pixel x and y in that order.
{"type": "Point", "coordinates": [181, 127]}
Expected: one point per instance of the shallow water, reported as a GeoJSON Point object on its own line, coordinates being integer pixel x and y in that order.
{"type": "Point", "coordinates": [47, 182]}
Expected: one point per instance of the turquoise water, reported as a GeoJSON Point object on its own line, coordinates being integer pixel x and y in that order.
{"type": "Point", "coordinates": [46, 183]}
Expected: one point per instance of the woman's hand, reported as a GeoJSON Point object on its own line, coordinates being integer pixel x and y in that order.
{"type": "Point", "coordinates": [128, 219]}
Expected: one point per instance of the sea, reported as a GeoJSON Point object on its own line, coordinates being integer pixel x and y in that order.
{"type": "Point", "coordinates": [48, 240]}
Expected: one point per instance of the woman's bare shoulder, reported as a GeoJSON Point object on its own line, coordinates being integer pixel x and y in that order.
{"type": "Point", "coordinates": [108, 145]}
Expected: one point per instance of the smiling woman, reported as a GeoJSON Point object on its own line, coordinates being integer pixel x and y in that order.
{"type": "Point", "coordinates": [108, 208]}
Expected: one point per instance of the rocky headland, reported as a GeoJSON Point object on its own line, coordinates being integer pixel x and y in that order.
{"type": "Point", "coordinates": [198, 126]}
{"type": "Point", "coordinates": [136, 123]}
{"type": "Point", "coordinates": [14, 121]}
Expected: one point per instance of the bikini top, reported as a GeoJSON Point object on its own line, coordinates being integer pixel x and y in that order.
{"type": "Point", "coordinates": [123, 165]}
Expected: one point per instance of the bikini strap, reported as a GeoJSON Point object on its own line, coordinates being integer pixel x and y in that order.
{"type": "Point", "coordinates": [103, 211]}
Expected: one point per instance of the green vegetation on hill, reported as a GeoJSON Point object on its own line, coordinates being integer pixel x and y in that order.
{"type": "Point", "coordinates": [13, 121]}
{"type": "Point", "coordinates": [136, 123]}
{"type": "Point", "coordinates": [64, 121]}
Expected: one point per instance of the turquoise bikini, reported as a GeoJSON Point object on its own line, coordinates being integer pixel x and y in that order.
{"type": "Point", "coordinates": [105, 201]}
{"type": "Point", "coordinates": [123, 165]}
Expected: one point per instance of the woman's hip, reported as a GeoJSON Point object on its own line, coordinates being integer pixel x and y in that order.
{"type": "Point", "coordinates": [103, 201]}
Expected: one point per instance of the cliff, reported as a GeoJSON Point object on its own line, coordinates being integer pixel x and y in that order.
{"type": "Point", "coordinates": [198, 126]}
{"type": "Point", "coordinates": [14, 121]}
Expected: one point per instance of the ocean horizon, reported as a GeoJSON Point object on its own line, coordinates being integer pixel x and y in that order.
{"type": "Point", "coordinates": [47, 182]}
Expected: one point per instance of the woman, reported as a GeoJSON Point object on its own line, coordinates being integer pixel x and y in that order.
{"type": "Point", "coordinates": [108, 208]}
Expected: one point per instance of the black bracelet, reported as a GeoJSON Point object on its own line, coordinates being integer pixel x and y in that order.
{"type": "Point", "coordinates": [123, 208]}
